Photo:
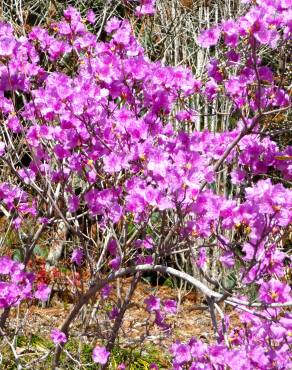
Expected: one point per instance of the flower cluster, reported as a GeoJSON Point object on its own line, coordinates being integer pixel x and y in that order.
{"type": "Point", "coordinates": [256, 345]}
{"type": "Point", "coordinates": [99, 114]}
{"type": "Point", "coordinates": [146, 7]}
{"type": "Point", "coordinates": [161, 310]}
{"type": "Point", "coordinates": [252, 84]}
{"type": "Point", "coordinates": [17, 285]}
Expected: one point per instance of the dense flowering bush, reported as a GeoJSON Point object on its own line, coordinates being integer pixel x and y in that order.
{"type": "Point", "coordinates": [96, 119]}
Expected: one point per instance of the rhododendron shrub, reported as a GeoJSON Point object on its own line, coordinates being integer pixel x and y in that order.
{"type": "Point", "coordinates": [96, 120]}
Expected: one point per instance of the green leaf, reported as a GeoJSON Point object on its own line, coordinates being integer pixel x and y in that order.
{"type": "Point", "coordinates": [40, 251]}
{"type": "Point", "coordinates": [17, 255]}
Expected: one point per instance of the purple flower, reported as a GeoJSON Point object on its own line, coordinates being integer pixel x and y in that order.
{"type": "Point", "coordinates": [202, 258]}
{"type": "Point", "coordinates": [6, 29]}
{"type": "Point", "coordinates": [190, 116]}
{"type": "Point", "coordinates": [152, 303]}
{"type": "Point", "coordinates": [58, 337]}
{"type": "Point", "coordinates": [265, 74]}
{"type": "Point", "coordinates": [6, 265]}
{"type": "Point", "coordinates": [181, 353]}
{"type": "Point", "coordinates": [113, 24]}
{"type": "Point", "coordinates": [211, 89]}
{"type": "Point", "coordinates": [27, 175]}
{"type": "Point", "coordinates": [73, 203]}
{"type": "Point", "coordinates": [60, 152]}
{"type": "Point", "coordinates": [43, 220]}
{"type": "Point", "coordinates": [144, 260]}
{"type": "Point", "coordinates": [275, 262]}
{"type": "Point", "coordinates": [197, 348]}
{"type": "Point", "coordinates": [90, 16]}
{"type": "Point", "coordinates": [112, 247]}
{"type": "Point", "coordinates": [227, 259]}
{"type": "Point", "coordinates": [105, 291]}
{"type": "Point", "coordinates": [77, 256]}
{"type": "Point", "coordinates": [274, 291]}
{"type": "Point", "coordinates": [17, 222]}
{"type": "Point", "coordinates": [230, 29]}
{"type": "Point", "coordinates": [7, 45]}
{"type": "Point", "coordinates": [153, 366]}
{"type": "Point", "coordinates": [122, 36]}
{"type": "Point", "coordinates": [100, 355]}
{"type": "Point", "coordinates": [115, 263]}
{"type": "Point", "coordinates": [42, 293]}
{"type": "Point", "coordinates": [233, 57]}
{"type": "Point", "coordinates": [160, 321]}
{"type": "Point", "coordinates": [14, 124]}
{"type": "Point", "coordinates": [209, 37]}
{"type": "Point", "coordinates": [113, 313]}
{"type": "Point", "coordinates": [238, 176]}
{"type": "Point", "coordinates": [146, 243]}
{"type": "Point", "coordinates": [147, 7]}
{"type": "Point", "coordinates": [261, 32]}
{"type": "Point", "coordinates": [214, 70]}
{"type": "Point", "coordinates": [170, 306]}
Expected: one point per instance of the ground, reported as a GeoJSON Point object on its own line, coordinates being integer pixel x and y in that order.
{"type": "Point", "coordinates": [88, 330]}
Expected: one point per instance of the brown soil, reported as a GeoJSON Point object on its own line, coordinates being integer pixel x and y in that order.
{"type": "Point", "coordinates": [192, 319]}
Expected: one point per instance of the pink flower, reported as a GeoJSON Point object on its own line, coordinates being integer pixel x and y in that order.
{"type": "Point", "coordinates": [90, 16]}
{"type": "Point", "coordinates": [60, 152]}
{"type": "Point", "coordinates": [153, 366]}
{"type": "Point", "coordinates": [43, 220]}
{"type": "Point", "coordinates": [190, 116]}
{"type": "Point", "coordinates": [27, 175]}
{"type": "Point", "coordinates": [265, 74]}
{"type": "Point", "coordinates": [14, 124]}
{"type": "Point", "coordinates": [105, 291]}
{"type": "Point", "coordinates": [202, 258]}
{"type": "Point", "coordinates": [274, 291]}
{"type": "Point", "coordinates": [214, 71]}
{"type": "Point", "coordinates": [7, 45]}
{"type": "Point", "coordinates": [261, 31]}
{"type": "Point", "coordinates": [77, 256]}
{"type": "Point", "coordinates": [100, 355]}
{"type": "Point", "coordinates": [113, 313]}
{"type": "Point", "coordinates": [115, 263]}
{"type": "Point", "coordinates": [152, 303]}
{"type": "Point", "coordinates": [17, 222]}
{"type": "Point", "coordinates": [237, 176]}
{"type": "Point", "coordinates": [42, 293]}
{"type": "Point", "coordinates": [147, 243]}
{"type": "Point", "coordinates": [73, 203]}
{"type": "Point", "coordinates": [211, 89]}
{"type": "Point", "coordinates": [144, 260]}
{"type": "Point", "coordinates": [58, 337]}
{"type": "Point", "coordinates": [147, 7]}
{"type": "Point", "coordinates": [230, 29]}
{"type": "Point", "coordinates": [112, 247]}
{"type": "Point", "coordinates": [113, 24]}
{"type": "Point", "coordinates": [6, 265]}
{"type": "Point", "coordinates": [170, 306]}
{"type": "Point", "coordinates": [122, 36]}
{"type": "Point", "coordinates": [227, 259]}
{"type": "Point", "coordinates": [181, 353]}
{"type": "Point", "coordinates": [209, 37]}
